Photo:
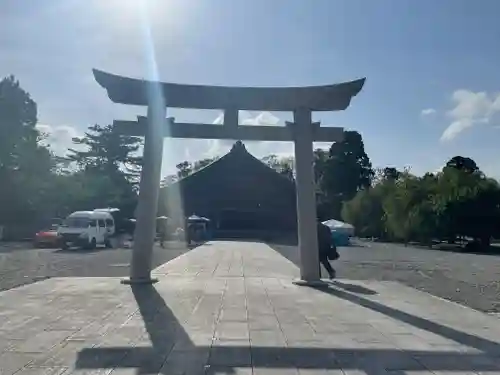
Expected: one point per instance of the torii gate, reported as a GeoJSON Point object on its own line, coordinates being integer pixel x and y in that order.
{"type": "Point", "coordinates": [157, 96]}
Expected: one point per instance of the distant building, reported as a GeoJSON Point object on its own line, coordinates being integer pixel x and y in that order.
{"type": "Point", "coordinates": [238, 193]}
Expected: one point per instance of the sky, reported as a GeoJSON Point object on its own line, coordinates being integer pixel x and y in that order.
{"type": "Point", "coordinates": [432, 86]}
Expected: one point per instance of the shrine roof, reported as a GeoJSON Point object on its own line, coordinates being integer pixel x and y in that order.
{"type": "Point", "coordinates": [236, 156]}
{"type": "Point", "coordinates": [133, 91]}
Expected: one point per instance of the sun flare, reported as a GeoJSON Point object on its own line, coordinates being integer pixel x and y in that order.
{"type": "Point", "coordinates": [165, 15]}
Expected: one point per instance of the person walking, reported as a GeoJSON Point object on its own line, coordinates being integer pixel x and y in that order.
{"type": "Point", "coordinates": [190, 234]}
{"type": "Point", "coordinates": [327, 249]}
{"type": "Point", "coordinates": [161, 227]}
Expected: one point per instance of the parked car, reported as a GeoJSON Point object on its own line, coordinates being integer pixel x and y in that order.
{"type": "Point", "coordinates": [47, 237]}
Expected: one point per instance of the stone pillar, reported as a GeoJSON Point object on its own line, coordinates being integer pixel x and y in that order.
{"type": "Point", "coordinates": [149, 188]}
{"type": "Point", "coordinates": [302, 129]}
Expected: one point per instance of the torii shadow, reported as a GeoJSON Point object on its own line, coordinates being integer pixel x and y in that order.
{"type": "Point", "coordinates": [165, 331]}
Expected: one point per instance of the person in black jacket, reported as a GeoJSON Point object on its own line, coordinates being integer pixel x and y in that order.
{"type": "Point", "coordinates": [326, 247]}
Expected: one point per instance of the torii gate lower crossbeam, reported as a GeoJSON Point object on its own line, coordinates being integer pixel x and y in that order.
{"type": "Point", "coordinates": [158, 96]}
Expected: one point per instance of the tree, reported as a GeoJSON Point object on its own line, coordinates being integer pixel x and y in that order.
{"type": "Point", "coordinates": [462, 164]}
{"type": "Point", "coordinates": [187, 168]}
{"type": "Point", "coordinates": [391, 173]}
{"type": "Point", "coordinates": [282, 165]}
{"type": "Point", "coordinates": [381, 175]}
{"type": "Point", "coordinates": [25, 164]}
{"type": "Point", "coordinates": [346, 171]}
{"type": "Point", "coordinates": [482, 214]}
{"type": "Point", "coordinates": [184, 169]}
{"type": "Point", "coordinates": [467, 204]}
{"type": "Point", "coordinates": [108, 169]}
{"type": "Point", "coordinates": [18, 118]}
{"type": "Point", "coordinates": [108, 151]}
{"type": "Point", "coordinates": [319, 165]}
{"type": "Point", "coordinates": [365, 211]}
{"type": "Point", "coordinates": [409, 209]}
{"type": "Point", "coordinates": [399, 206]}
{"type": "Point", "coordinates": [348, 168]}
{"type": "Point", "coordinates": [202, 163]}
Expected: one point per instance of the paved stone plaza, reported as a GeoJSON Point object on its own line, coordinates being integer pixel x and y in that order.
{"type": "Point", "coordinates": [230, 308]}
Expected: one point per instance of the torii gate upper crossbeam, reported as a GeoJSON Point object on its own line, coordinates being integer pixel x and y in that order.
{"type": "Point", "coordinates": [125, 90]}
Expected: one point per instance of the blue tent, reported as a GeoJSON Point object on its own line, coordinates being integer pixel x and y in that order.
{"type": "Point", "coordinates": [341, 232]}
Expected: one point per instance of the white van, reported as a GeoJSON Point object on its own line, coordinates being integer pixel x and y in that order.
{"type": "Point", "coordinates": [87, 229]}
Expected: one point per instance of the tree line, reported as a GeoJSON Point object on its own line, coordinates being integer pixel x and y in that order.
{"type": "Point", "coordinates": [457, 203]}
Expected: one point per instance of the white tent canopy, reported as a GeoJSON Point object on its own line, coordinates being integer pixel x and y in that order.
{"type": "Point", "coordinates": [340, 227]}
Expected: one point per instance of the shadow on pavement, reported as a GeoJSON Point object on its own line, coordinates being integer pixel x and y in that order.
{"type": "Point", "coordinates": [291, 252]}
{"type": "Point", "coordinates": [353, 288]}
{"type": "Point", "coordinates": [479, 343]}
{"type": "Point", "coordinates": [164, 331]}
{"type": "Point", "coordinates": [288, 251]}
{"type": "Point", "coordinates": [172, 350]}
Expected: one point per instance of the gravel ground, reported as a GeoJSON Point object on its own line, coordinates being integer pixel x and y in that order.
{"type": "Point", "coordinates": [24, 265]}
{"type": "Point", "coordinates": [470, 279]}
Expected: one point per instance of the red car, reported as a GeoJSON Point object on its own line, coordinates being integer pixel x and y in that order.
{"type": "Point", "coordinates": [47, 238]}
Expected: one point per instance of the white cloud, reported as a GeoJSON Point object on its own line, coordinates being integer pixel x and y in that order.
{"type": "Point", "coordinates": [428, 112]}
{"type": "Point", "coordinates": [58, 137]}
{"type": "Point", "coordinates": [455, 128]}
{"type": "Point", "coordinates": [245, 118]}
{"type": "Point", "coordinates": [262, 119]}
{"type": "Point", "coordinates": [471, 108]}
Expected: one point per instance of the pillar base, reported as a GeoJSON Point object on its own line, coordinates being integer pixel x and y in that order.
{"type": "Point", "coordinates": [311, 283]}
{"type": "Point", "coordinates": [139, 281]}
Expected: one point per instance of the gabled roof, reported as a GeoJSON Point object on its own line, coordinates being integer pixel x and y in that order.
{"type": "Point", "coordinates": [237, 155]}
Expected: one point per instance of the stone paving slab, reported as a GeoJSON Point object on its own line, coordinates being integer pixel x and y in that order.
{"type": "Point", "coordinates": [231, 308]}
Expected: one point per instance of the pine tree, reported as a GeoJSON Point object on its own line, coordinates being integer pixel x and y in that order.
{"type": "Point", "coordinates": [108, 151]}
